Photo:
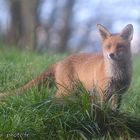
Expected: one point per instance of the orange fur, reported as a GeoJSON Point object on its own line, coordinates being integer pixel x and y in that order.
{"type": "Point", "coordinates": [107, 72]}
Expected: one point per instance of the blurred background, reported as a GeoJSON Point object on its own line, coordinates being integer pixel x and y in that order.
{"type": "Point", "coordinates": [65, 25]}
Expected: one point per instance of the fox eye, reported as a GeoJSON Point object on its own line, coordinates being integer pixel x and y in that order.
{"type": "Point", "coordinates": [119, 46]}
{"type": "Point", "coordinates": [108, 46]}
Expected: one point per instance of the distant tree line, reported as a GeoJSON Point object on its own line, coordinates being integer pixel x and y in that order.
{"type": "Point", "coordinates": [27, 31]}
{"type": "Point", "coordinates": [23, 24]}
{"type": "Point", "coordinates": [59, 31]}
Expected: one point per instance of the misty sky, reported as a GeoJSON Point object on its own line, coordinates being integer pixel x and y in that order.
{"type": "Point", "coordinates": [120, 11]}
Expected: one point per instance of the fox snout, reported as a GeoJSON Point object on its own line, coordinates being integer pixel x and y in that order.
{"type": "Point", "coordinates": [112, 55]}
{"type": "Point", "coordinates": [115, 56]}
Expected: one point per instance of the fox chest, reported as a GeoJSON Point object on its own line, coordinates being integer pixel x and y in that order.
{"type": "Point", "coordinates": [120, 78]}
{"type": "Point", "coordinates": [118, 85]}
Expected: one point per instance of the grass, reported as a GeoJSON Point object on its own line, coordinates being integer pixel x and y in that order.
{"type": "Point", "coordinates": [37, 115]}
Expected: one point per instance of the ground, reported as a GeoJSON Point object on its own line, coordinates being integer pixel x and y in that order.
{"type": "Point", "coordinates": [37, 115]}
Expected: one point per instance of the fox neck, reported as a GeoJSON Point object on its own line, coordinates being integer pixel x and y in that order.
{"type": "Point", "coordinates": [119, 74]}
{"type": "Point", "coordinates": [119, 70]}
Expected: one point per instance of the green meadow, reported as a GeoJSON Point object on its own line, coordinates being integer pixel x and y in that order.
{"type": "Point", "coordinates": [37, 115]}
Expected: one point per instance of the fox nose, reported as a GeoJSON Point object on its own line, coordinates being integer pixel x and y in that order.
{"type": "Point", "coordinates": [111, 55]}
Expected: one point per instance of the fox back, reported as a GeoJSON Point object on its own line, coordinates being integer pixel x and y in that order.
{"type": "Point", "coordinates": [107, 72]}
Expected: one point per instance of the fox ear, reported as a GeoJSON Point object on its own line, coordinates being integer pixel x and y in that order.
{"type": "Point", "coordinates": [127, 32]}
{"type": "Point", "coordinates": [104, 33]}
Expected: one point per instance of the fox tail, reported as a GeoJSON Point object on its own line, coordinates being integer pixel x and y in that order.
{"type": "Point", "coordinates": [41, 79]}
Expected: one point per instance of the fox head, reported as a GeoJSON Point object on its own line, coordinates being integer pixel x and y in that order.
{"type": "Point", "coordinates": [116, 47]}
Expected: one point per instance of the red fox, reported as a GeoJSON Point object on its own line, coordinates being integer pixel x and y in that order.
{"type": "Point", "coordinates": [108, 72]}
